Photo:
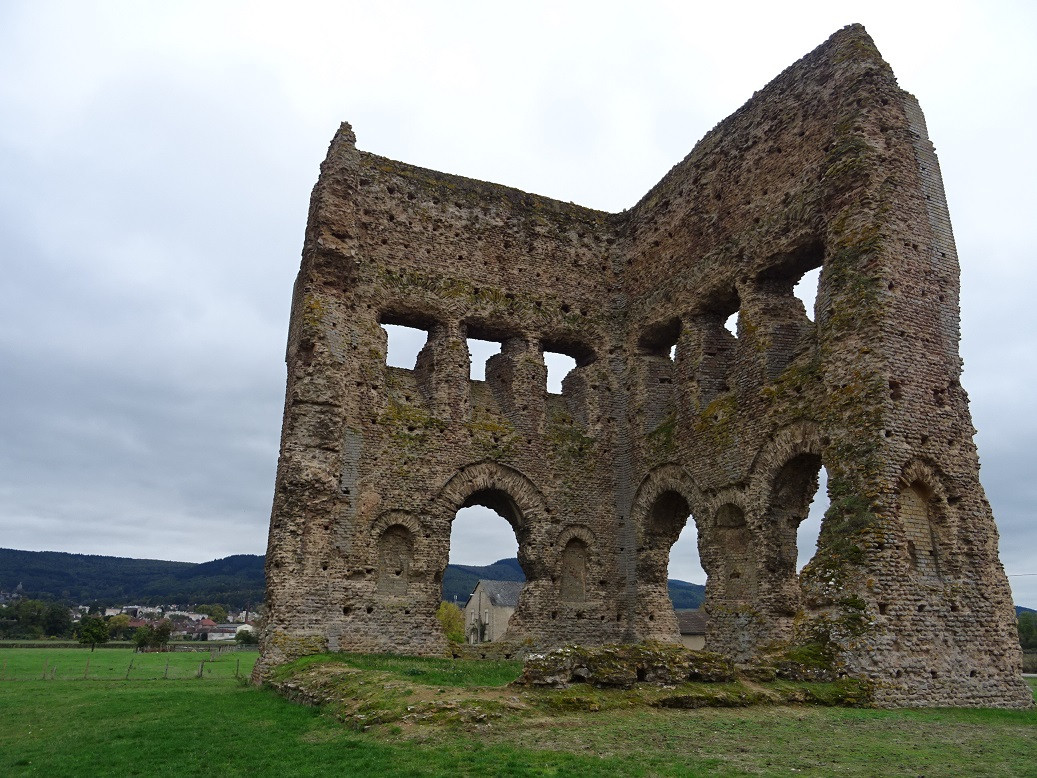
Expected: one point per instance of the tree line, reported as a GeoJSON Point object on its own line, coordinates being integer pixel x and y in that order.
{"type": "Point", "coordinates": [29, 619]}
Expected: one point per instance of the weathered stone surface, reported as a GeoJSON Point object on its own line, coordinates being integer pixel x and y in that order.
{"type": "Point", "coordinates": [623, 666]}
{"type": "Point", "coordinates": [828, 166]}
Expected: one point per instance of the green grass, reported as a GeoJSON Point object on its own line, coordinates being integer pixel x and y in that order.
{"type": "Point", "coordinates": [64, 664]}
{"type": "Point", "coordinates": [426, 670]}
{"type": "Point", "coordinates": [186, 725]}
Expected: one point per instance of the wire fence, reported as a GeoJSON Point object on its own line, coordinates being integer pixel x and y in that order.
{"type": "Point", "coordinates": [119, 665]}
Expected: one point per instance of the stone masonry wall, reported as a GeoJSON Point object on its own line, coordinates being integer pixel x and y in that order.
{"type": "Point", "coordinates": [829, 167]}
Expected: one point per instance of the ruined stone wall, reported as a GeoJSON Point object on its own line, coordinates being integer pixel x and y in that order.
{"type": "Point", "coordinates": [827, 167]}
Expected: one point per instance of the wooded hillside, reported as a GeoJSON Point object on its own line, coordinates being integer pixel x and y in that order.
{"type": "Point", "coordinates": [235, 581]}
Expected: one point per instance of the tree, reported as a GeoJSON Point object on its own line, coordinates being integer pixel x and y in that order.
{"type": "Point", "coordinates": [153, 637]}
{"type": "Point", "coordinates": [119, 626]}
{"type": "Point", "coordinates": [246, 637]}
{"type": "Point", "coordinates": [162, 632]}
{"type": "Point", "coordinates": [93, 630]}
{"type": "Point", "coordinates": [1028, 630]}
{"type": "Point", "coordinates": [451, 618]}
{"type": "Point", "coordinates": [142, 637]}
{"type": "Point", "coordinates": [215, 612]}
{"type": "Point", "coordinates": [57, 620]}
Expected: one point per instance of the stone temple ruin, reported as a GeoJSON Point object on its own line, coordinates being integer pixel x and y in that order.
{"type": "Point", "coordinates": [827, 167]}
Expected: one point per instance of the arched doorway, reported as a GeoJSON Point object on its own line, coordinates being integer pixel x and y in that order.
{"type": "Point", "coordinates": [484, 577]}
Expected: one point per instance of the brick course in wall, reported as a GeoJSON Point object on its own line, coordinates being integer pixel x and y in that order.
{"type": "Point", "coordinates": [829, 167]}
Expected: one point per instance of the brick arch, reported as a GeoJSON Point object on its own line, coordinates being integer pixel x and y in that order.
{"type": "Point", "coordinates": [527, 503]}
{"type": "Point", "coordinates": [390, 519]}
{"type": "Point", "coordinates": [656, 483]}
{"type": "Point", "coordinates": [783, 482]}
{"type": "Point", "coordinates": [664, 493]}
{"type": "Point", "coordinates": [797, 439]}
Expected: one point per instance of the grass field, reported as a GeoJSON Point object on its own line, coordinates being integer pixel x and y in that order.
{"type": "Point", "coordinates": [214, 724]}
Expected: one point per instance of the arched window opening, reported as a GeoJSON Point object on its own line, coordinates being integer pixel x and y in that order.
{"type": "Point", "coordinates": [685, 579]}
{"type": "Point", "coordinates": [723, 307]}
{"type": "Point", "coordinates": [731, 324]}
{"type": "Point", "coordinates": [809, 529]}
{"type": "Point", "coordinates": [794, 494]}
{"type": "Point", "coordinates": [479, 351]}
{"type": "Point", "coordinates": [484, 576]}
{"type": "Point", "coordinates": [806, 290]}
{"type": "Point", "coordinates": [660, 339]}
{"type": "Point", "coordinates": [404, 343]}
{"type": "Point", "coordinates": [562, 355]}
{"type": "Point", "coordinates": [558, 367]}
{"type": "Point", "coordinates": [673, 547]}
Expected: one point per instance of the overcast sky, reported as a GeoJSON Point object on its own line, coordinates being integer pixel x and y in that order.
{"type": "Point", "coordinates": [155, 167]}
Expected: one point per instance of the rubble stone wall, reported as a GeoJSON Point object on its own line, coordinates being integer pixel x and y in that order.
{"type": "Point", "coordinates": [667, 417]}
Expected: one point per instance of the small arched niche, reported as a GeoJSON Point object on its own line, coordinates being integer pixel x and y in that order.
{"type": "Point", "coordinates": [920, 530]}
{"type": "Point", "coordinates": [395, 555]}
{"type": "Point", "coordinates": [574, 566]}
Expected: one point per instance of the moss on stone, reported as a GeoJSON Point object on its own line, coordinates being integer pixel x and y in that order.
{"type": "Point", "coordinates": [295, 646]}
{"type": "Point", "coordinates": [568, 441]}
{"type": "Point", "coordinates": [494, 436]}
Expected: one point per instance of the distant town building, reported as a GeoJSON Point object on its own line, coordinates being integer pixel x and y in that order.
{"type": "Point", "coordinates": [488, 610]}
{"type": "Point", "coordinates": [692, 626]}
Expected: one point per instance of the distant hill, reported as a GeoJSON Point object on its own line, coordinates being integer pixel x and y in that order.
{"type": "Point", "coordinates": [686, 596]}
{"type": "Point", "coordinates": [236, 581]}
{"type": "Point", "coordinates": [459, 580]}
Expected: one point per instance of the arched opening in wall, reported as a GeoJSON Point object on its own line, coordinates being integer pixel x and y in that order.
{"type": "Point", "coordinates": [479, 352]}
{"type": "Point", "coordinates": [791, 283]}
{"type": "Point", "coordinates": [806, 290]}
{"type": "Point", "coordinates": [562, 355]}
{"type": "Point", "coordinates": [715, 330]}
{"type": "Point", "coordinates": [404, 343]}
{"type": "Point", "coordinates": [484, 577]}
{"type": "Point", "coordinates": [558, 368]}
{"type": "Point", "coordinates": [671, 559]}
{"type": "Point", "coordinates": [657, 352]}
{"type": "Point", "coordinates": [686, 585]}
{"type": "Point", "coordinates": [794, 492]}
{"type": "Point", "coordinates": [809, 529]}
{"type": "Point", "coordinates": [660, 339]}
{"type": "Point", "coordinates": [731, 324]}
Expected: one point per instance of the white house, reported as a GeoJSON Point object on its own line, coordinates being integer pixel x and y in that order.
{"type": "Point", "coordinates": [487, 611]}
